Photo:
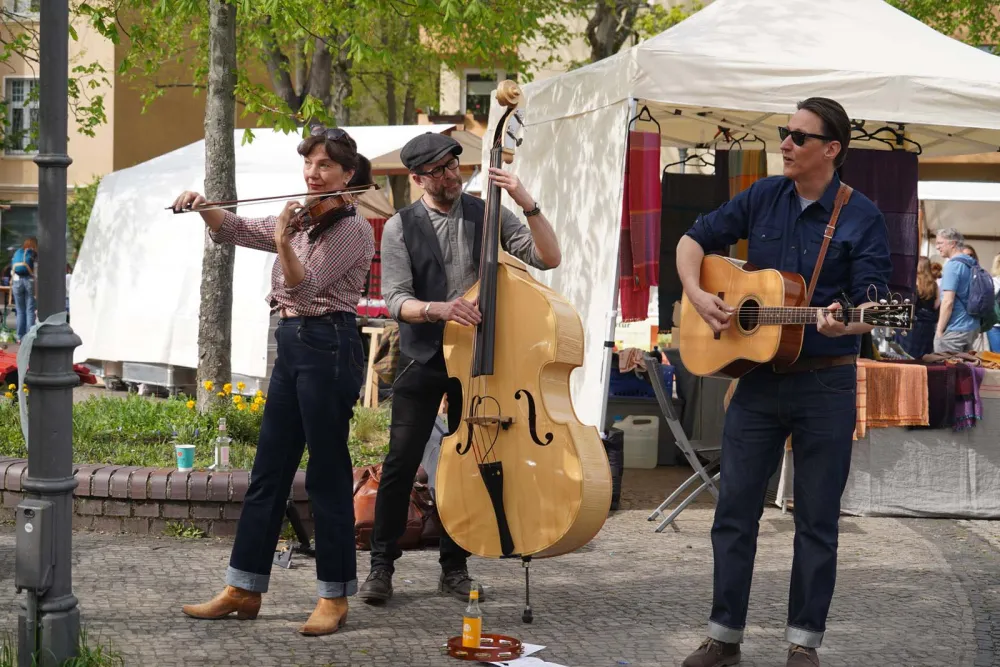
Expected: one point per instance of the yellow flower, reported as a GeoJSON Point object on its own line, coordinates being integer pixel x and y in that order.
{"type": "Point", "coordinates": [190, 405]}
{"type": "Point", "coordinates": [12, 387]}
{"type": "Point", "coordinates": [237, 399]}
{"type": "Point", "coordinates": [25, 390]}
{"type": "Point", "coordinates": [228, 388]}
{"type": "Point", "coordinates": [253, 408]}
{"type": "Point", "coordinates": [259, 394]}
{"type": "Point", "coordinates": [8, 395]}
{"type": "Point", "coordinates": [241, 406]}
{"type": "Point", "coordinates": [258, 400]}
{"type": "Point", "coordinates": [208, 385]}
{"type": "Point", "coordinates": [221, 394]}
{"type": "Point", "coordinates": [240, 386]}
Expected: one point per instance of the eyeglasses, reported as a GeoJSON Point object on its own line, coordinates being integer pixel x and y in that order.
{"type": "Point", "coordinates": [438, 171]}
{"type": "Point", "coordinates": [332, 133]}
{"type": "Point", "coordinates": [799, 137]}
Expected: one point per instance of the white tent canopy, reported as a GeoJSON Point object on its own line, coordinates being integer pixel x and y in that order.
{"type": "Point", "coordinates": [743, 65]}
{"type": "Point", "coordinates": [971, 208]}
{"type": "Point", "coordinates": [135, 291]}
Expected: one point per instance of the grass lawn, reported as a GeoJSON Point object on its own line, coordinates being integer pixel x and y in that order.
{"type": "Point", "coordinates": [136, 431]}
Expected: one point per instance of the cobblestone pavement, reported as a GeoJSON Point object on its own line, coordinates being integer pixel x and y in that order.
{"type": "Point", "coordinates": [910, 593]}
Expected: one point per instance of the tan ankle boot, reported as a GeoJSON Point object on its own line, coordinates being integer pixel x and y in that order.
{"type": "Point", "coordinates": [328, 617]}
{"type": "Point", "coordinates": [246, 604]}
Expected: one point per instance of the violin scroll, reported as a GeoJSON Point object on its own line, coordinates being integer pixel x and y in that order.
{"type": "Point", "coordinates": [509, 95]}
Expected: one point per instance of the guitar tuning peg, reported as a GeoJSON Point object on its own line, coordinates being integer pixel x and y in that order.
{"type": "Point", "coordinates": [904, 333]}
{"type": "Point", "coordinates": [882, 301]}
{"type": "Point", "coordinates": [895, 303]}
{"type": "Point", "coordinates": [906, 302]}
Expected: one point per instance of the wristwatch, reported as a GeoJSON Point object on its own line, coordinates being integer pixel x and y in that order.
{"type": "Point", "coordinates": [534, 211]}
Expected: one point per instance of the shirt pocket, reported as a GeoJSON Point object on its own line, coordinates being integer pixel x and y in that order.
{"type": "Point", "coordinates": [764, 250]}
{"type": "Point", "coordinates": [835, 265]}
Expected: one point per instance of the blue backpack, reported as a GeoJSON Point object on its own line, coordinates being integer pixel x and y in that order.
{"type": "Point", "coordinates": [982, 300]}
{"type": "Point", "coordinates": [23, 262]}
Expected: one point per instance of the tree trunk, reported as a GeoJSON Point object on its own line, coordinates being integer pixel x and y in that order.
{"type": "Point", "coordinates": [612, 23]}
{"type": "Point", "coordinates": [216, 314]}
{"type": "Point", "coordinates": [341, 87]}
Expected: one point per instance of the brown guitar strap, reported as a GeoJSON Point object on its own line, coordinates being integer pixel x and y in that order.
{"type": "Point", "coordinates": [843, 195]}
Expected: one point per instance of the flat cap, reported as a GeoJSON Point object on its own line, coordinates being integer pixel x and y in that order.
{"type": "Point", "coordinates": [427, 148]}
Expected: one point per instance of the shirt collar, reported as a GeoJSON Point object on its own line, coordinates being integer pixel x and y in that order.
{"type": "Point", "coordinates": [829, 195]}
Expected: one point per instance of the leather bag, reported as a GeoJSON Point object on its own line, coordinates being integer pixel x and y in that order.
{"type": "Point", "coordinates": [423, 528]}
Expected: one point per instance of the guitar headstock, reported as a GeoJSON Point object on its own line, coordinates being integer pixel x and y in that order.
{"type": "Point", "coordinates": [888, 315]}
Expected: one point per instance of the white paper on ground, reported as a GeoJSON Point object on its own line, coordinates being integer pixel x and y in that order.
{"type": "Point", "coordinates": [525, 660]}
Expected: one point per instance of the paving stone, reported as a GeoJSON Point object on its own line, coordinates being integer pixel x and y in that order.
{"type": "Point", "coordinates": [631, 597]}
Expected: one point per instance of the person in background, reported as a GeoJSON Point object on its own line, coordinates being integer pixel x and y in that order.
{"type": "Point", "coordinates": [970, 251]}
{"type": "Point", "coordinates": [956, 331]}
{"type": "Point", "coordinates": [920, 340]}
{"type": "Point", "coordinates": [23, 266]}
{"type": "Point", "coordinates": [993, 335]}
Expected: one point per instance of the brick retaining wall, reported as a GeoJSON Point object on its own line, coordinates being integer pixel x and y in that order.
{"type": "Point", "coordinates": [129, 499]}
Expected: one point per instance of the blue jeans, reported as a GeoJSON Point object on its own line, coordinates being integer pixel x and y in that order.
{"type": "Point", "coordinates": [818, 409]}
{"type": "Point", "coordinates": [24, 301]}
{"type": "Point", "coordinates": [315, 384]}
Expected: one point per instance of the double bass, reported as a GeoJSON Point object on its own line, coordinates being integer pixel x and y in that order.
{"type": "Point", "coordinates": [521, 476]}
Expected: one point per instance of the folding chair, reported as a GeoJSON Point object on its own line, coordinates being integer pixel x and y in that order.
{"type": "Point", "coordinates": [691, 451]}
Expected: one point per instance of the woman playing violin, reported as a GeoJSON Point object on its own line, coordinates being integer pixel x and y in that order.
{"type": "Point", "coordinates": [316, 284]}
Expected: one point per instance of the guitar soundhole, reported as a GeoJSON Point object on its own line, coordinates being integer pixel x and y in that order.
{"type": "Point", "coordinates": [749, 315]}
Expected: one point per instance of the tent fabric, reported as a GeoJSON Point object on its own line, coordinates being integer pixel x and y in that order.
{"type": "Point", "coordinates": [743, 65]}
{"type": "Point", "coordinates": [750, 61]}
{"type": "Point", "coordinates": [136, 286]}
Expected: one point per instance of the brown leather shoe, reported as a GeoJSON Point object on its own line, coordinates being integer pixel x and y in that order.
{"type": "Point", "coordinates": [800, 656]}
{"type": "Point", "coordinates": [246, 604]}
{"type": "Point", "coordinates": [329, 616]}
{"type": "Point", "coordinates": [713, 653]}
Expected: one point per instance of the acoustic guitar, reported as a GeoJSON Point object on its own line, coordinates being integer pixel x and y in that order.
{"type": "Point", "coordinates": [769, 322]}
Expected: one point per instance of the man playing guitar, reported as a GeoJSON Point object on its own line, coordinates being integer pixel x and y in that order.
{"type": "Point", "coordinates": [784, 219]}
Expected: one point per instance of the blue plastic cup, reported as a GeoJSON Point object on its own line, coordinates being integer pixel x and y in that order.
{"type": "Point", "coordinates": [185, 457]}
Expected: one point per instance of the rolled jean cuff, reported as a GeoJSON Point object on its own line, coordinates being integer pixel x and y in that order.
{"type": "Point", "coordinates": [331, 589]}
{"type": "Point", "coordinates": [248, 581]}
{"type": "Point", "coordinates": [802, 637]}
{"type": "Point", "coordinates": [721, 633]}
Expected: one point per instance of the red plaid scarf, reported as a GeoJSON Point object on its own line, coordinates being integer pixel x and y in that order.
{"type": "Point", "coordinates": [639, 250]}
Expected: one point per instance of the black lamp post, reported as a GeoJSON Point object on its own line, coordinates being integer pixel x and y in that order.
{"type": "Point", "coordinates": [49, 622]}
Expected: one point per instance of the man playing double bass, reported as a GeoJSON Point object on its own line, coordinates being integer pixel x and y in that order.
{"type": "Point", "coordinates": [430, 258]}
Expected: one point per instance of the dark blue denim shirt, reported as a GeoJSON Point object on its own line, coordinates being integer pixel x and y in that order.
{"type": "Point", "coordinates": [785, 237]}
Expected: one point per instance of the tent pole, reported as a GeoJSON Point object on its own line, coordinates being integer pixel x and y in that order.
{"type": "Point", "coordinates": [612, 318]}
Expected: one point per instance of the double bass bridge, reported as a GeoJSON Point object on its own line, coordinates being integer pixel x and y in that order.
{"type": "Point", "coordinates": [490, 420]}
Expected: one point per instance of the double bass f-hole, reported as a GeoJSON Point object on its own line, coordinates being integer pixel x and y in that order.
{"type": "Point", "coordinates": [532, 418]}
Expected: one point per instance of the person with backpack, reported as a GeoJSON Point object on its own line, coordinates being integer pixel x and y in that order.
{"type": "Point", "coordinates": [967, 296]}
{"type": "Point", "coordinates": [23, 265]}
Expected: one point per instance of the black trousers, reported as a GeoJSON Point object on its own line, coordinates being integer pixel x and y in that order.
{"type": "Point", "coordinates": [416, 397]}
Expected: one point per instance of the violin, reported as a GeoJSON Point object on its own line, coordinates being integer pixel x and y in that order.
{"type": "Point", "coordinates": [521, 476]}
{"type": "Point", "coordinates": [322, 206]}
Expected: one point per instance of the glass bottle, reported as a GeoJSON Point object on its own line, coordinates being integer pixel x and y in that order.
{"type": "Point", "coordinates": [472, 623]}
{"type": "Point", "coordinates": [222, 447]}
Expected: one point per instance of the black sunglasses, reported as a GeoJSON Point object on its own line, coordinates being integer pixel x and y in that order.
{"type": "Point", "coordinates": [436, 172]}
{"type": "Point", "coordinates": [332, 133]}
{"type": "Point", "coordinates": [799, 137]}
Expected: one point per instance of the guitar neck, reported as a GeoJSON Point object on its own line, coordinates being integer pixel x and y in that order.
{"type": "Point", "coordinates": [789, 315]}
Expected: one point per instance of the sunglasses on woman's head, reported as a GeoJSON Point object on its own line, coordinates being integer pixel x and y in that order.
{"type": "Point", "coordinates": [331, 133]}
{"type": "Point", "coordinates": [799, 137]}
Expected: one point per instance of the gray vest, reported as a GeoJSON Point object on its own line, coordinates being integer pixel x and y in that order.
{"type": "Point", "coordinates": [422, 341]}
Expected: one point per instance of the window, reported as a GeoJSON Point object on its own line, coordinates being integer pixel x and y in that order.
{"type": "Point", "coordinates": [479, 89]}
{"type": "Point", "coordinates": [23, 6]}
{"type": "Point", "coordinates": [22, 116]}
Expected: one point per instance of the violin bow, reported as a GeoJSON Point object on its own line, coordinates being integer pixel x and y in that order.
{"type": "Point", "coordinates": [212, 205]}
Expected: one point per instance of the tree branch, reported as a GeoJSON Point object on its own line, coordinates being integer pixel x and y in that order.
{"type": "Point", "coordinates": [278, 67]}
